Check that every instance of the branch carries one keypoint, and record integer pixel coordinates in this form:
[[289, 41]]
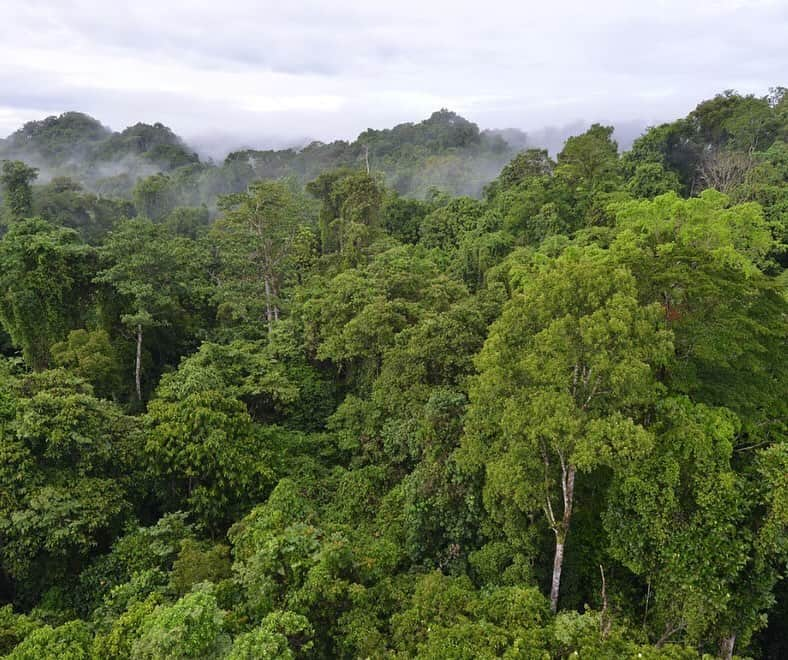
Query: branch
[[669, 632]]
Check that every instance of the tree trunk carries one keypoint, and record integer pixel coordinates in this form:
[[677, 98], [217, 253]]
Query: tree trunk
[[275, 294], [269, 315], [562, 529], [726, 647], [558, 562], [138, 363]]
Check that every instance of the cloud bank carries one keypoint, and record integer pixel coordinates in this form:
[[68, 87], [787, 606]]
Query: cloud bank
[[263, 71]]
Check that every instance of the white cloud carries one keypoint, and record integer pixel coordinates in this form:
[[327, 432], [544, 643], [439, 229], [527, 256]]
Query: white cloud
[[327, 70]]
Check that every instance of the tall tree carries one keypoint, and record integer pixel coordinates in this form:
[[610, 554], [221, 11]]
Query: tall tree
[[591, 157], [255, 238], [154, 196], [350, 213], [16, 178], [45, 286], [157, 275], [564, 380], [701, 260]]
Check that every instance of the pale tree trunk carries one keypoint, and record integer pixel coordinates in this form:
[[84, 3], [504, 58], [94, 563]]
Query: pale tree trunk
[[275, 294], [726, 647], [605, 621], [138, 363], [269, 314], [560, 527], [558, 562]]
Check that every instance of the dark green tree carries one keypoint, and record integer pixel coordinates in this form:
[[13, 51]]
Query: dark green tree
[[45, 286], [16, 180]]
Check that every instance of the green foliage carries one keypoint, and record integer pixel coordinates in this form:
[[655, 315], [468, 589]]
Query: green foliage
[[91, 356], [651, 179], [591, 157], [70, 470], [58, 138], [354, 318], [448, 618], [71, 641], [528, 164], [118, 641], [154, 197], [700, 259], [195, 565], [45, 288], [444, 227], [281, 635], [137, 565], [271, 377], [207, 455], [188, 221], [565, 378], [545, 422], [16, 179], [161, 280], [190, 628], [670, 513], [255, 239], [64, 203], [401, 217], [13, 628], [350, 212]]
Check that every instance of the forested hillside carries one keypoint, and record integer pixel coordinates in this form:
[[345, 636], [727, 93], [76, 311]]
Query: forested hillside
[[155, 168], [320, 404]]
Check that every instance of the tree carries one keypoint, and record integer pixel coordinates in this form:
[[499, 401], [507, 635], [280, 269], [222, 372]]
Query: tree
[[188, 222], [90, 355], [190, 628], [691, 524], [401, 217], [353, 318], [564, 380], [591, 157], [753, 126], [350, 213], [255, 238], [322, 188], [45, 286], [271, 377], [64, 203], [206, 453], [16, 178], [71, 464], [71, 641], [724, 170], [275, 637], [159, 275], [445, 226], [154, 197], [699, 259], [652, 179], [528, 164]]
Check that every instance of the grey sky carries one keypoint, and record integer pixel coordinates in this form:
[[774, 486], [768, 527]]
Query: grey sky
[[330, 69]]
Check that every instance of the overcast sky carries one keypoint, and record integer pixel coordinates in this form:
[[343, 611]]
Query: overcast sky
[[329, 69]]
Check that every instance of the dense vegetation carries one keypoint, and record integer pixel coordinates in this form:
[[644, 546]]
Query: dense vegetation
[[159, 172], [320, 418]]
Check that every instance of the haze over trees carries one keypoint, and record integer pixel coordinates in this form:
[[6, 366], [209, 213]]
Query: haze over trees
[[364, 400]]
